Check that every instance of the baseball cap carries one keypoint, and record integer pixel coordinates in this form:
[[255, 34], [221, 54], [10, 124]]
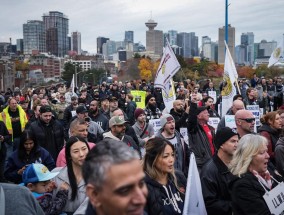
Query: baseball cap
[[200, 109], [116, 120], [36, 172], [81, 109]]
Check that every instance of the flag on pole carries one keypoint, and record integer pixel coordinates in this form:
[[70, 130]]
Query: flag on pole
[[169, 95], [73, 85], [168, 67], [230, 77], [194, 202], [274, 58]]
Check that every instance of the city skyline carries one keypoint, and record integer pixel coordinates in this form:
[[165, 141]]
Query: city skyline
[[112, 18]]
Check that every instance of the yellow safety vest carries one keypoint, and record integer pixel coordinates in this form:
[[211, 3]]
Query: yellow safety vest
[[5, 117]]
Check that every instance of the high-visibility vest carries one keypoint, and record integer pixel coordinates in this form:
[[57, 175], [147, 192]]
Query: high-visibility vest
[[5, 117]]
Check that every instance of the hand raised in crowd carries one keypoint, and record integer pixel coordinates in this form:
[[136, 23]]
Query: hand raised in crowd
[[20, 171]]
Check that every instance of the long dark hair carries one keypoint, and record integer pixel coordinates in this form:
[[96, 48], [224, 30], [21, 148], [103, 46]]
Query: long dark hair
[[26, 135], [71, 175]]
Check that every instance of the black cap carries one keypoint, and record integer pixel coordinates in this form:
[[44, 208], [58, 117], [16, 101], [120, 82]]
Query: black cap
[[223, 135], [81, 109], [202, 108]]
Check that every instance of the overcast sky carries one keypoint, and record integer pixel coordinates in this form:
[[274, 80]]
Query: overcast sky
[[111, 18]]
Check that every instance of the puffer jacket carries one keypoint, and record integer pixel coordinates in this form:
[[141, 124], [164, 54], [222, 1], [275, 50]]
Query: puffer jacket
[[279, 155], [157, 195]]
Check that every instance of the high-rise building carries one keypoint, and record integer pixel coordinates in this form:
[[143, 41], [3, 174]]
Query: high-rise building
[[76, 42], [183, 42], [189, 44], [172, 37], [240, 55], [109, 48], [129, 36], [100, 42], [57, 28], [266, 48], [247, 41], [193, 44], [34, 36], [154, 38], [206, 47], [221, 44], [20, 45]]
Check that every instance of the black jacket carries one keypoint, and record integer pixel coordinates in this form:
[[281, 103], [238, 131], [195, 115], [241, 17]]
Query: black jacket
[[247, 196], [215, 177], [68, 114], [180, 119], [197, 139], [156, 194], [50, 137]]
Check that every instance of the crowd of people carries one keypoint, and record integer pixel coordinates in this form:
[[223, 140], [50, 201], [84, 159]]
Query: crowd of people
[[92, 150]]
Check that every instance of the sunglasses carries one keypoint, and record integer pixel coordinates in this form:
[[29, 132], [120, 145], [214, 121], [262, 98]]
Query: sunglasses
[[249, 120]]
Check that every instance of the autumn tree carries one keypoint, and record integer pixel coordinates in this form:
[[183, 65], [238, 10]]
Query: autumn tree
[[245, 72], [146, 67]]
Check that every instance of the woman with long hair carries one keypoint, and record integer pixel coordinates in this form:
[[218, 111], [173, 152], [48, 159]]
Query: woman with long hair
[[271, 130], [76, 150], [249, 164], [166, 186], [28, 152]]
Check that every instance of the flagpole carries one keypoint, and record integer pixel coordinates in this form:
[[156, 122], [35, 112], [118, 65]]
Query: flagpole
[[236, 80]]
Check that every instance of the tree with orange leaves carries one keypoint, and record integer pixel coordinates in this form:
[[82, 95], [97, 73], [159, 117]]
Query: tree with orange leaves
[[146, 67]]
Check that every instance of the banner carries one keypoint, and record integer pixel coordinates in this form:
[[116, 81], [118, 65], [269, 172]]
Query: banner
[[168, 67], [213, 94], [274, 58], [214, 121], [169, 95], [156, 123], [193, 203], [230, 76], [139, 98], [230, 121]]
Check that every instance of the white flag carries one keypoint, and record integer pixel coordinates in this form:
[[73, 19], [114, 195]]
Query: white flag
[[274, 58], [72, 85], [230, 76], [167, 69], [194, 202], [169, 95]]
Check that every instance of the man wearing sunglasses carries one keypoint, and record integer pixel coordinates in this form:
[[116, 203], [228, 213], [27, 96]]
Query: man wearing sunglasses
[[245, 121]]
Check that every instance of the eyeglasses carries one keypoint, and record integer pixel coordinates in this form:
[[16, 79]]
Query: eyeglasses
[[249, 120], [152, 100]]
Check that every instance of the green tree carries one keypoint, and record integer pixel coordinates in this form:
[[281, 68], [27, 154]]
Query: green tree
[[69, 70], [98, 75]]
